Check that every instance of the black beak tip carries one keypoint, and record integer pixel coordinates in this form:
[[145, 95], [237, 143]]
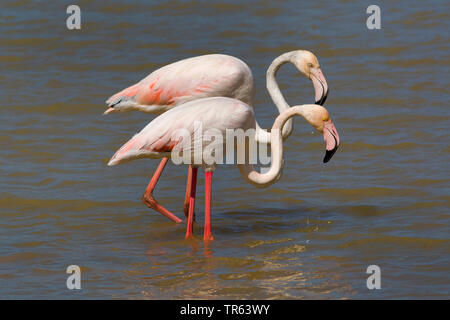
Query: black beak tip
[[322, 100], [329, 154]]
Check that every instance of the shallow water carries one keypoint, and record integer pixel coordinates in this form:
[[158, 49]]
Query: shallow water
[[383, 199]]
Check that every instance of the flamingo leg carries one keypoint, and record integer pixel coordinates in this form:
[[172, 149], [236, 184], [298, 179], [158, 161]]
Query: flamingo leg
[[207, 236], [188, 193], [150, 201], [190, 224]]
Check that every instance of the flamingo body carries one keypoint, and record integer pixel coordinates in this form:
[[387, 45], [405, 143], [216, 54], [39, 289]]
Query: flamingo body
[[186, 80], [155, 140]]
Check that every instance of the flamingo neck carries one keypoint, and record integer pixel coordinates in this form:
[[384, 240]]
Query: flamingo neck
[[262, 135], [263, 180]]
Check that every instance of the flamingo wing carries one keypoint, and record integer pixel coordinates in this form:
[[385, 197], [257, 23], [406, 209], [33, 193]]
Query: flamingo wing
[[187, 80]]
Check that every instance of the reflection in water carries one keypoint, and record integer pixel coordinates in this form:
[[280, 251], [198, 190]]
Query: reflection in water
[[271, 271], [383, 199], [207, 251]]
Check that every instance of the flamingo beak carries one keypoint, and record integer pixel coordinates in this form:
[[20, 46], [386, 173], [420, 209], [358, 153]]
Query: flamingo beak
[[331, 137], [108, 111], [320, 85]]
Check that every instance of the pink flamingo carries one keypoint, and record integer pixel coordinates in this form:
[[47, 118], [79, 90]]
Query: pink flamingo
[[156, 140], [210, 76]]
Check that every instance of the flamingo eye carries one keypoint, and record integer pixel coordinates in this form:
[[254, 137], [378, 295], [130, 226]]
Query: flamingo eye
[[310, 64]]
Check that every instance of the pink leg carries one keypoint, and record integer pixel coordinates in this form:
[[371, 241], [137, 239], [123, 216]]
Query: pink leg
[[150, 201], [190, 224], [207, 236], [188, 193]]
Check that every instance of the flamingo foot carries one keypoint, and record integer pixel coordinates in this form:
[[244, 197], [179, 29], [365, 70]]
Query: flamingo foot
[[150, 202], [208, 237], [189, 236], [189, 230]]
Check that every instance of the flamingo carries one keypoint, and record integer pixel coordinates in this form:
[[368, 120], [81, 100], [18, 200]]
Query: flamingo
[[210, 76], [157, 140]]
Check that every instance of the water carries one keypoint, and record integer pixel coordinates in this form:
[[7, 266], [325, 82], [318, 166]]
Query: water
[[383, 199]]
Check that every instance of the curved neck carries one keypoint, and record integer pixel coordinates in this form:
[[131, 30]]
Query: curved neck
[[274, 173], [262, 135]]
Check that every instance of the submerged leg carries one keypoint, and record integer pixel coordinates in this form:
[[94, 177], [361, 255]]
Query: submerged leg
[[190, 223], [207, 236], [150, 201]]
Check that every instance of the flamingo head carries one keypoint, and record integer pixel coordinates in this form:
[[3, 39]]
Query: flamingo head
[[306, 62], [318, 117]]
